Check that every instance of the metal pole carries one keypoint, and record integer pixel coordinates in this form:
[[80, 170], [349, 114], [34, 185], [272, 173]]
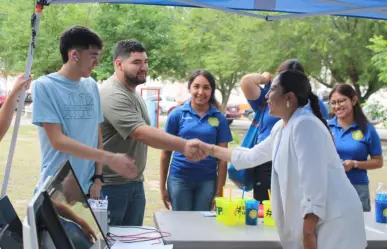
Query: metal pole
[[35, 21]]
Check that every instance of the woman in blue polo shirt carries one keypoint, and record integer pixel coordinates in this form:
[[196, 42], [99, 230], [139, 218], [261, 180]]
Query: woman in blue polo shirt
[[355, 140], [192, 186]]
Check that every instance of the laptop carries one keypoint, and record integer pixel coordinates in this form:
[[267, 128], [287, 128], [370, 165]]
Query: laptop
[[10, 226], [68, 198]]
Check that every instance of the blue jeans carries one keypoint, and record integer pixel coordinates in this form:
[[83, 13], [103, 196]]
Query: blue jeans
[[363, 191], [188, 195], [76, 235], [126, 203]]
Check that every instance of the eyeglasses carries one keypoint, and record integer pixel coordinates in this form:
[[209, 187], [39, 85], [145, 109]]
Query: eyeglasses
[[339, 102]]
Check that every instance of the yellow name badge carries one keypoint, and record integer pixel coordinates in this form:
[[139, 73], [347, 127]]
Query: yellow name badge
[[213, 121], [357, 135]]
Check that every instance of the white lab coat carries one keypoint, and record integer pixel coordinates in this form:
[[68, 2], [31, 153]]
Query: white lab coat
[[308, 177]]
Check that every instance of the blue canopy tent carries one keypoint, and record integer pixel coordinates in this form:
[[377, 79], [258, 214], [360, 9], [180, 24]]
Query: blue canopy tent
[[372, 9]]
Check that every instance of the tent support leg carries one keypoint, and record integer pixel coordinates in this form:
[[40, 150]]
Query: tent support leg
[[35, 21]]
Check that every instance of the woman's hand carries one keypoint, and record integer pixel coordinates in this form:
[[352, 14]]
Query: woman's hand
[[165, 198]]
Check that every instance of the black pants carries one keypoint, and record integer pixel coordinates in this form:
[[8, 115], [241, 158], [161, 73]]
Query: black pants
[[262, 181]]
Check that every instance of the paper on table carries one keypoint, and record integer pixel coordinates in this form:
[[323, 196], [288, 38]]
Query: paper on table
[[208, 213], [139, 245]]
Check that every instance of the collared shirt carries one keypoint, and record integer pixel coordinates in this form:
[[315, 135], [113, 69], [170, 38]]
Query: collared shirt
[[355, 144], [211, 128]]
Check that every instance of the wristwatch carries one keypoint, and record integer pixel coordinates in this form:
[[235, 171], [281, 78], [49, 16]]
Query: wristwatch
[[99, 177], [355, 164]]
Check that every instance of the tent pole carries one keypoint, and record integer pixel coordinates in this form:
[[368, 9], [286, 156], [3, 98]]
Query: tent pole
[[35, 21], [209, 6]]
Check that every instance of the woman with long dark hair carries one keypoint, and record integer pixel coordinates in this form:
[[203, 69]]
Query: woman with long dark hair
[[192, 186], [255, 94], [355, 140], [313, 203]]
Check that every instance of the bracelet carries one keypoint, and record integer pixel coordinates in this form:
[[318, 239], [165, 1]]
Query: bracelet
[[212, 150]]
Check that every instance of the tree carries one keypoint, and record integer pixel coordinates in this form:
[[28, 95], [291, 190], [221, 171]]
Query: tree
[[226, 45], [16, 33], [148, 24], [333, 50]]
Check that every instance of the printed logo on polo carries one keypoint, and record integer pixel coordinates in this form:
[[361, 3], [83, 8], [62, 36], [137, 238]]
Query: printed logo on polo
[[79, 106], [213, 121], [357, 135]]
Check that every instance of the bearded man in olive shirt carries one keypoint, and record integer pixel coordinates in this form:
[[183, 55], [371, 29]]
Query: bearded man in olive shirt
[[126, 129]]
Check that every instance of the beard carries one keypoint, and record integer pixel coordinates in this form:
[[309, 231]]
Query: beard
[[133, 79]]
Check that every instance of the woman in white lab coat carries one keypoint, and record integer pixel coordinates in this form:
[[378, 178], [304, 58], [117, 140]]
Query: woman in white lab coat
[[314, 205]]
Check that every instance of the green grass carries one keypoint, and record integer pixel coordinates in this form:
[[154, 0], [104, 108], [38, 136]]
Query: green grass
[[26, 166]]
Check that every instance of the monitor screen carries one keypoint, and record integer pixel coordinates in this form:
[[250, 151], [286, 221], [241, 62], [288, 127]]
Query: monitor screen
[[10, 226], [74, 212], [48, 223]]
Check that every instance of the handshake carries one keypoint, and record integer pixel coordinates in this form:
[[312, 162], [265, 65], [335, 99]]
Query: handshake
[[196, 150]]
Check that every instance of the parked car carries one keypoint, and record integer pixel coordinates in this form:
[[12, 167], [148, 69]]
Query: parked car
[[232, 113], [167, 103]]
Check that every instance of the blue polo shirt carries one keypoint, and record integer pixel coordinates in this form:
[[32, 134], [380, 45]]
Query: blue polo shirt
[[355, 144], [211, 128]]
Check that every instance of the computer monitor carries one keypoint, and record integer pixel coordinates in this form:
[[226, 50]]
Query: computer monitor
[[42, 227], [73, 210], [10, 226]]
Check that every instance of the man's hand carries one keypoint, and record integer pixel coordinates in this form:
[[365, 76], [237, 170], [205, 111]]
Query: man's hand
[[165, 198], [348, 165], [194, 150], [122, 164], [20, 82], [95, 189]]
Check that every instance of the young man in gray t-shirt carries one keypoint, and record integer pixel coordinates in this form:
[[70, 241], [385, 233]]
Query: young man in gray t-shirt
[[126, 129]]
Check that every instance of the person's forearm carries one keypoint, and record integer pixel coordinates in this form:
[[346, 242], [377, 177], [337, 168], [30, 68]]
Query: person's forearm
[[250, 85], [72, 147], [98, 165], [219, 152], [310, 223], [164, 168], [222, 174], [6, 113], [66, 212], [370, 164], [158, 139]]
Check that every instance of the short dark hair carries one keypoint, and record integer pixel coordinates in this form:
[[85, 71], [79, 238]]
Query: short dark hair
[[125, 47], [358, 114], [78, 37]]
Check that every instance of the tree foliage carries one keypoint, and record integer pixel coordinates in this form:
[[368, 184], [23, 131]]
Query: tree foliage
[[179, 40]]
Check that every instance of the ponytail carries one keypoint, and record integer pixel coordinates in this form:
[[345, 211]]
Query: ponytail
[[315, 106]]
